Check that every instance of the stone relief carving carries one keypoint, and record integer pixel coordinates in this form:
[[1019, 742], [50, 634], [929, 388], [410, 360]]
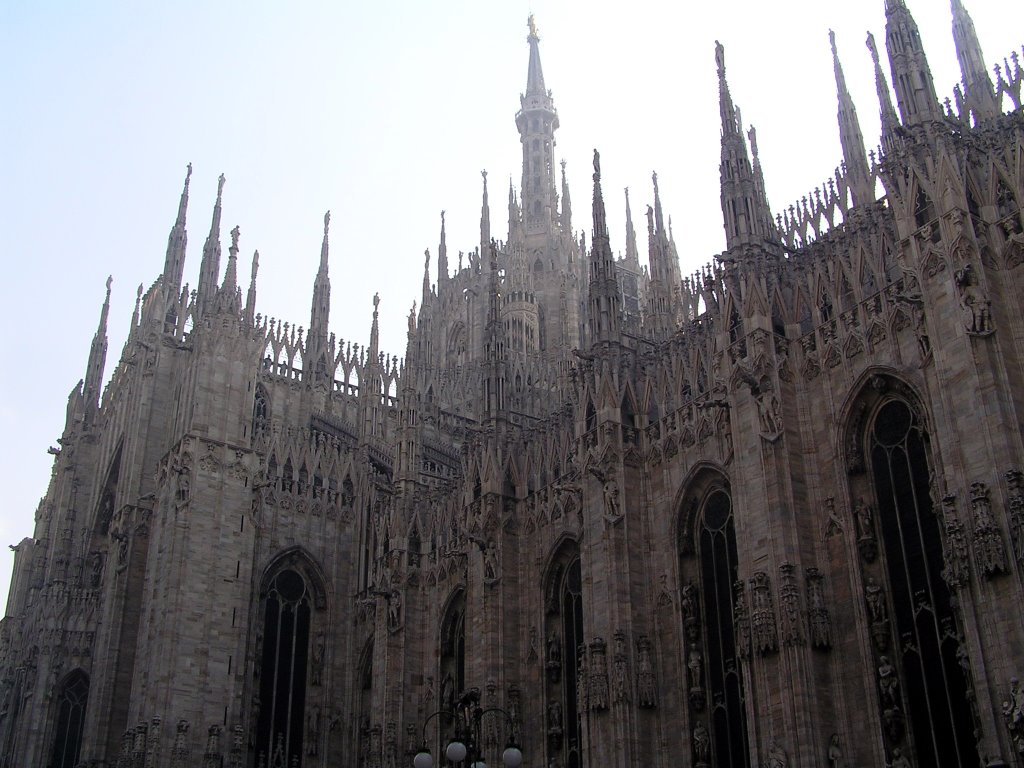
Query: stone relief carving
[[554, 658], [974, 302], [688, 602], [818, 618], [878, 615], [863, 517], [647, 693], [1015, 513], [1013, 716], [989, 551], [741, 620], [620, 669], [598, 674], [957, 566], [789, 602], [762, 615]]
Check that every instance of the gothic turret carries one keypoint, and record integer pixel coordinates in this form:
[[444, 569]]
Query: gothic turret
[[632, 253], [537, 121], [850, 136], [97, 358], [604, 286], [978, 93], [911, 77], [744, 207], [209, 268]]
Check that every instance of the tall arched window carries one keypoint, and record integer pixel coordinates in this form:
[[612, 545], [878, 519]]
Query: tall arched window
[[71, 701], [718, 572], [565, 707], [292, 656], [926, 641], [452, 671], [708, 565]]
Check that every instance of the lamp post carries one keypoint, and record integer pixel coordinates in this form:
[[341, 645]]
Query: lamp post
[[465, 748]]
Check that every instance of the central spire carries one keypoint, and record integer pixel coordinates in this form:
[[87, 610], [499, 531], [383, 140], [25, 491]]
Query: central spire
[[537, 121]]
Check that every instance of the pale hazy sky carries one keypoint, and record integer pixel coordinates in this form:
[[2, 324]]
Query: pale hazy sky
[[385, 113]]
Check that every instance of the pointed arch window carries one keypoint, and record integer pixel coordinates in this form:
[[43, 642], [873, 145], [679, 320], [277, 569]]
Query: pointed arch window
[[71, 702], [566, 704], [708, 556], [927, 646], [289, 655]]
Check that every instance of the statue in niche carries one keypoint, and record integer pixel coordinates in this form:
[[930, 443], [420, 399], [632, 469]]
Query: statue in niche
[[695, 665], [975, 304], [777, 757], [318, 659], [554, 718], [490, 563], [834, 753], [899, 760], [701, 742], [888, 683], [554, 663]]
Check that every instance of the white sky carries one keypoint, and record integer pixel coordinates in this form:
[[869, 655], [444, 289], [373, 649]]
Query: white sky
[[384, 113]]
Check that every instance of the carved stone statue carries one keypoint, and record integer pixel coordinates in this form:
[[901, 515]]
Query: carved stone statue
[[888, 683], [701, 742], [777, 757], [834, 753]]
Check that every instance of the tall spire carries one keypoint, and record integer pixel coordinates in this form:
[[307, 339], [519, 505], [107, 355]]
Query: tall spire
[[250, 297], [426, 277], [97, 356], [320, 310], [442, 258], [911, 77], [744, 204], [209, 269], [981, 98], [566, 204], [485, 221], [230, 284], [174, 261], [886, 111], [535, 74], [850, 136], [537, 121], [604, 287], [660, 314], [632, 253]]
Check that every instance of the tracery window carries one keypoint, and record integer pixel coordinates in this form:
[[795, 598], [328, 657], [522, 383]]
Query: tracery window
[[566, 704], [67, 739], [709, 568], [927, 647], [282, 669]]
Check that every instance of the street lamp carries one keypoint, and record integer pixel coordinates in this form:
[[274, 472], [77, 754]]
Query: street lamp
[[465, 748]]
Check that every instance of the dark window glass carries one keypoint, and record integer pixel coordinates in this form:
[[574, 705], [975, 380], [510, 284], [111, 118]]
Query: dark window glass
[[283, 670], [934, 687], [572, 640], [70, 719], [717, 548]]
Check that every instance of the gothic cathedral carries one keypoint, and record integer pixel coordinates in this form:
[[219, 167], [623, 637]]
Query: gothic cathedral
[[767, 514]]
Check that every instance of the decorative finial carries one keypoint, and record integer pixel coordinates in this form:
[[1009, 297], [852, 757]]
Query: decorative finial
[[235, 233], [597, 165], [110, 281], [327, 222], [426, 258], [532, 24], [872, 47], [442, 218], [376, 301], [220, 186], [832, 40], [188, 172], [484, 174]]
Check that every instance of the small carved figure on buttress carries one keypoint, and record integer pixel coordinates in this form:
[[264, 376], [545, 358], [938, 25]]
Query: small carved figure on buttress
[[611, 499], [318, 659], [701, 741], [834, 753], [862, 515], [887, 681]]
